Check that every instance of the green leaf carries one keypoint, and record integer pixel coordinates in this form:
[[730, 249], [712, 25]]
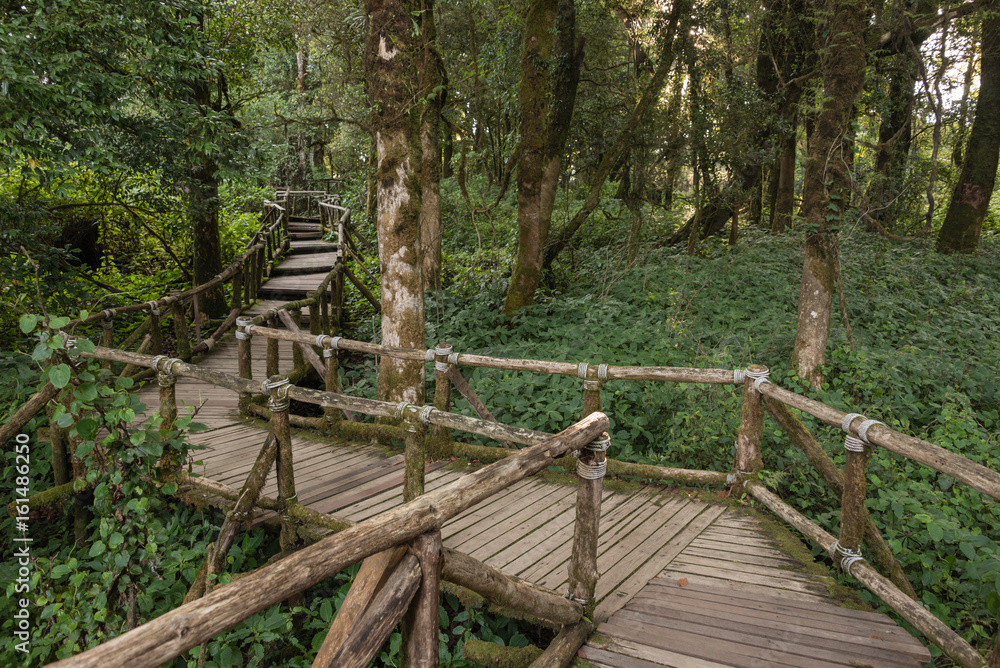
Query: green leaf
[[326, 611], [97, 549], [968, 550], [115, 540], [57, 322], [86, 428], [935, 531], [59, 375], [27, 322]]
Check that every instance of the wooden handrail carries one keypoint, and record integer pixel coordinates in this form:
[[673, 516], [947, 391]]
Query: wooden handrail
[[173, 633]]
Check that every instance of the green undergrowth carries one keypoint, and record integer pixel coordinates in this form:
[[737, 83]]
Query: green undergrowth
[[927, 346]]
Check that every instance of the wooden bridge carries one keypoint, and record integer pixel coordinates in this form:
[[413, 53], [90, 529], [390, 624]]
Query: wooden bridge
[[635, 575]]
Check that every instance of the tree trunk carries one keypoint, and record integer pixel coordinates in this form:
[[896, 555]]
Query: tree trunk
[[203, 207], [971, 197], [391, 62], [826, 186], [432, 99], [784, 200], [894, 136], [547, 100]]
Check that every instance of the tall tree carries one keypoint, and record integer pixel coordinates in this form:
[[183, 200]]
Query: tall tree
[[392, 55], [826, 188], [971, 197], [550, 72], [433, 95]]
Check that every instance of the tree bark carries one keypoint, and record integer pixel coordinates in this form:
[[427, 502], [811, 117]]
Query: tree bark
[[971, 197], [392, 53], [547, 98], [624, 141], [784, 200], [433, 97], [826, 189]]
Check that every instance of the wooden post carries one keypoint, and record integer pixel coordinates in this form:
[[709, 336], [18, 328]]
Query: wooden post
[[591, 468], [237, 297], [62, 467], [244, 356], [748, 459], [107, 336], [297, 358], [338, 293], [414, 454], [330, 357], [196, 312], [168, 398], [592, 387], [180, 330], [420, 625], [442, 391], [277, 389], [852, 504], [272, 349], [155, 333]]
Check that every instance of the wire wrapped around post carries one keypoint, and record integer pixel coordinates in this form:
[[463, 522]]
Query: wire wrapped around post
[[852, 504], [155, 333], [591, 468], [748, 457], [442, 391], [275, 388], [108, 333], [414, 455], [244, 356], [167, 382]]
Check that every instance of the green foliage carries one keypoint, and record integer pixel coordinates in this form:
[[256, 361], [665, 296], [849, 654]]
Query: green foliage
[[927, 347]]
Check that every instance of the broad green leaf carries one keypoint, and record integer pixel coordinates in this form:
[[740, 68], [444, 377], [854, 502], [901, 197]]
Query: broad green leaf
[[27, 323], [59, 375]]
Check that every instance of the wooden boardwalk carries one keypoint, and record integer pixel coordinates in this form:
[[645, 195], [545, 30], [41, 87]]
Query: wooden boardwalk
[[683, 582]]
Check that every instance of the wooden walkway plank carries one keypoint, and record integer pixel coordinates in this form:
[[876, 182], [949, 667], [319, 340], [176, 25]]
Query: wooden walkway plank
[[626, 654]]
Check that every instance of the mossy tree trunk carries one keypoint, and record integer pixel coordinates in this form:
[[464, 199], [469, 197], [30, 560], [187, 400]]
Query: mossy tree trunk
[[550, 71], [971, 197], [392, 55], [826, 186], [203, 207], [433, 98]]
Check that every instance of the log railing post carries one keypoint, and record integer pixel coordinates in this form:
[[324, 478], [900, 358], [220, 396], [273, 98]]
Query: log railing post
[[273, 358], [420, 625], [180, 329], [414, 455], [155, 333], [244, 357], [442, 391], [276, 387], [748, 459], [237, 297], [168, 397], [107, 335], [196, 312], [298, 359], [330, 357], [62, 466], [591, 467], [338, 293], [852, 504], [592, 381]]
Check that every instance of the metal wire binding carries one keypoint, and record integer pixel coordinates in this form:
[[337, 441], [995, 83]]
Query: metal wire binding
[[401, 410], [592, 385], [154, 309], [453, 359], [591, 471], [335, 342], [319, 340], [569, 595], [243, 327], [599, 444], [425, 414], [847, 557], [739, 375], [865, 426], [851, 443], [759, 377], [279, 402], [581, 370], [429, 355], [442, 351], [602, 372]]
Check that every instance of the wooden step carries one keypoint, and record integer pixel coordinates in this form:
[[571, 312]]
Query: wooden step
[[300, 246]]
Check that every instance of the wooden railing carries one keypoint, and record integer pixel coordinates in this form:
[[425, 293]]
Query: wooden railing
[[759, 393], [410, 574]]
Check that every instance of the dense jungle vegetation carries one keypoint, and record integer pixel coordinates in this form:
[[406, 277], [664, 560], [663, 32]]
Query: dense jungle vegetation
[[804, 184]]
